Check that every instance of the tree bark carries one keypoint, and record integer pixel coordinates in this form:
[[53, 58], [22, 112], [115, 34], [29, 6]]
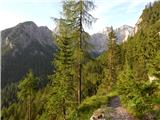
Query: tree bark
[[64, 110], [80, 50], [30, 106]]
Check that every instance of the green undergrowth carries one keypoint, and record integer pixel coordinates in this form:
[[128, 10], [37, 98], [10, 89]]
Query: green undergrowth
[[89, 105]]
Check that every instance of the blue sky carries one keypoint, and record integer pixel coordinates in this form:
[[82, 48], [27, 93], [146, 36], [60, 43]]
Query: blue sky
[[108, 12]]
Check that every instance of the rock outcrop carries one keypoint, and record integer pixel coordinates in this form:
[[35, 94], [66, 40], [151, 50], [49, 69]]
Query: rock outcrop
[[137, 25]]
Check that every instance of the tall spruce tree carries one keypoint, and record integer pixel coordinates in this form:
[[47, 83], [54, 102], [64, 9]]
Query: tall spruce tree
[[62, 95], [112, 57], [77, 12]]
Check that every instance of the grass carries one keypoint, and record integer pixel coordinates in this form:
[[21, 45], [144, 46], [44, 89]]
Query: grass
[[89, 105]]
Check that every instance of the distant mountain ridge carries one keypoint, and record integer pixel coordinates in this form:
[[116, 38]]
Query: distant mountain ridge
[[26, 46], [99, 40], [29, 32]]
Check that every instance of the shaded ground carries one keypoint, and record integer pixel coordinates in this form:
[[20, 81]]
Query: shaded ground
[[114, 102]]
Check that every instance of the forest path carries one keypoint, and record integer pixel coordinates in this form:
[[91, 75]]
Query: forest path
[[118, 112], [113, 111], [114, 102]]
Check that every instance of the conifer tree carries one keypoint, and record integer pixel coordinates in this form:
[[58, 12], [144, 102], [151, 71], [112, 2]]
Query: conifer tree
[[112, 57], [77, 12], [62, 95], [27, 88], [154, 66]]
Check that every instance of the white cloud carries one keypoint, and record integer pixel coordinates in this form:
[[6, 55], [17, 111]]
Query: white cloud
[[136, 3], [104, 7], [102, 12], [30, 1], [9, 19]]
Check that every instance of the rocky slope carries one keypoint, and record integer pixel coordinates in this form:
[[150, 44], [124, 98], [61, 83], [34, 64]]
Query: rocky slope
[[26, 46]]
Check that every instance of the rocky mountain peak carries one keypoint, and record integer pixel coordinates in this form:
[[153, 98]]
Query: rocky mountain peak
[[25, 33], [125, 27], [29, 27], [124, 32], [27, 23], [99, 40], [26, 46]]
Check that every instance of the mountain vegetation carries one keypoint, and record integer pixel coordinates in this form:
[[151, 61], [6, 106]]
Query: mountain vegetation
[[26, 46], [81, 84]]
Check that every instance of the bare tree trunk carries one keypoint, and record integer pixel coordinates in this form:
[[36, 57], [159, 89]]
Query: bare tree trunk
[[80, 64], [111, 79], [79, 83], [30, 106], [64, 110]]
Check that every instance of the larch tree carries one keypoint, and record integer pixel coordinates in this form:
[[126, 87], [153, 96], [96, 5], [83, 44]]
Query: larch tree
[[77, 13]]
